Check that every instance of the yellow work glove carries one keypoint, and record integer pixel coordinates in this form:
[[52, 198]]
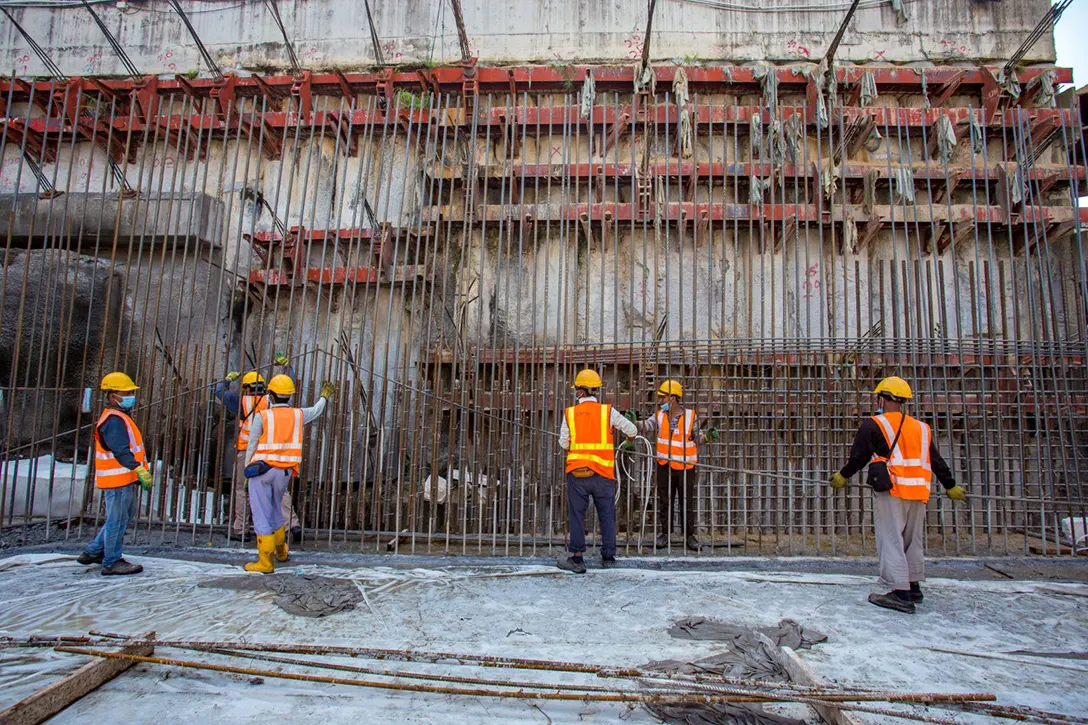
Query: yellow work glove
[[837, 480], [280, 359], [957, 493], [233, 375], [144, 477], [327, 390]]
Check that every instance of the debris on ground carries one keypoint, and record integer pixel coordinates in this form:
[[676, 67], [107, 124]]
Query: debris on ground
[[787, 633]]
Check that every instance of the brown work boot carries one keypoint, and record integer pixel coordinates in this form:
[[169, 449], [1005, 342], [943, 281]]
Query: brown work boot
[[891, 600], [121, 568]]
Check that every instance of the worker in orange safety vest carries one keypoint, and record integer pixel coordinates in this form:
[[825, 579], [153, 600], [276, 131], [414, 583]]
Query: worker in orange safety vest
[[678, 436], [273, 457], [905, 447], [586, 435], [120, 466]]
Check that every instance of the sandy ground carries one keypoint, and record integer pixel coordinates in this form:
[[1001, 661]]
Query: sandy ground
[[617, 617]]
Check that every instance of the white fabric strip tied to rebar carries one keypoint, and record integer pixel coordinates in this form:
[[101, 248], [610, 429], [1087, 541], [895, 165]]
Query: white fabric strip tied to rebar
[[1010, 83], [868, 89], [794, 137], [946, 137], [680, 92], [902, 15], [755, 133], [589, 95], [776, 142], [925, 90], [903, 180], [1040, 89], [645, 79], [767, 76], [976, 136], [830, 172], [756, 187]]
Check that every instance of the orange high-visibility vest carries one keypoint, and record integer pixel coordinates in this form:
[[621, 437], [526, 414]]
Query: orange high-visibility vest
[[108, 471], [909, 465], [678, 451], [591, 443], [248, 407], [280, 444]]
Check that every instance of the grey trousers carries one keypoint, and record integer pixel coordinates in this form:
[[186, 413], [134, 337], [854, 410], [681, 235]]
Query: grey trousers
[[241, 500], [900, 540]]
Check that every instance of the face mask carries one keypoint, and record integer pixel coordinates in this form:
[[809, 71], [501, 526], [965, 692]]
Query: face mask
[[128, 402], [880, 406], [664, 407]]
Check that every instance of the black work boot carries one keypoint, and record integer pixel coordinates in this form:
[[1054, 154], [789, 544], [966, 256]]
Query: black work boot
[[121, 568], [569, 564], [296, 534], [894, 600], [608, 562], [915, 592], [662, 541], [693, 544], [86, 559]]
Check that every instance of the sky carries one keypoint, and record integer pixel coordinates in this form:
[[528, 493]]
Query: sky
[[1072, 45]]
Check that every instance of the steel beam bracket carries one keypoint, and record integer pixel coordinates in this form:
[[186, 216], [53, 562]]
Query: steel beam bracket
[[303, 92], [145, 99], [383, 87], [223, 94]]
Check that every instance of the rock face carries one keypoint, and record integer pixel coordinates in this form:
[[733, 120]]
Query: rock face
[[63, 323]]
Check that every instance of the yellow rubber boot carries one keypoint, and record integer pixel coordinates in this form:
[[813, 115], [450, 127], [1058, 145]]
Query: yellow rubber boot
[[280, 540], [264, 565]]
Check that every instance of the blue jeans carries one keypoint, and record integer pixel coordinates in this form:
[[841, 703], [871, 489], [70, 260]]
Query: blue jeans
[[603, 491], [266, 500], [120, 510]]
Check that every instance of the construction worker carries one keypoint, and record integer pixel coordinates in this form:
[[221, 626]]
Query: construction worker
[[907, 448], [273, 456], [586, 435], [119, 465], [245, 408], [678, 437]]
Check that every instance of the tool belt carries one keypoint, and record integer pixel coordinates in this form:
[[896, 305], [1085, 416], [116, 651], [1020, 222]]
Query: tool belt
[[583, 472]]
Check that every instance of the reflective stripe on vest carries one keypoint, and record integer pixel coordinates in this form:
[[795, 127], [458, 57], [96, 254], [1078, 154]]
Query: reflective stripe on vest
[[280, 444], [678, 452], [591, 442], [248, 408], [108, 471], [909, 465]]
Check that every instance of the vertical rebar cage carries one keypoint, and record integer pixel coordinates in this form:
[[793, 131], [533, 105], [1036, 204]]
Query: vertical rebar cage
[[450, 246]]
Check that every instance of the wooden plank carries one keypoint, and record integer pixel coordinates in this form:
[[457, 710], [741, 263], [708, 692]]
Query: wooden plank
[[802, 674], [47, 702]]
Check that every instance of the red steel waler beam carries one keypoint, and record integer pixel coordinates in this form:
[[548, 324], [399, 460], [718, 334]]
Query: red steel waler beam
[[534, 79]]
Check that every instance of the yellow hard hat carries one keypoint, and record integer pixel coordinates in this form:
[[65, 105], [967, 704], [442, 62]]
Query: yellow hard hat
[[894, 386], [587, 379], [281, 385], [252, 377], [120, 382], [671, 387]]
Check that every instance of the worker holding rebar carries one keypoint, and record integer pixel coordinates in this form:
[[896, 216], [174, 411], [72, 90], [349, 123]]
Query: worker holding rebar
[[586, 435], [120, 463], [244, 408], [273, 457], [678, 436], [902, 457]]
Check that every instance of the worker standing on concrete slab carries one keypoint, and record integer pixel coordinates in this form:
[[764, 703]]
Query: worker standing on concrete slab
[[245, 408], [273, 457], [119, 465], [586, 435], [903, 445], [678, 437]]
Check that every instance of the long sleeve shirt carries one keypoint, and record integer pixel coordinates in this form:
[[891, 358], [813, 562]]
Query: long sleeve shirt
[[257, 427], [114, 436], [869, 441], [616, 420], [648, 427], [231, 400]]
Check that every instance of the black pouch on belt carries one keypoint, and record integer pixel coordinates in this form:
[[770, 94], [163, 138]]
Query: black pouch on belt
[[879, 478]]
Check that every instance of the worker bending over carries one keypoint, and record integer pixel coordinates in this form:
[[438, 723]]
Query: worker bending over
[[678, 437], [273, 457], [119, 464], [245, 408], [905, 446], [586, 435]]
